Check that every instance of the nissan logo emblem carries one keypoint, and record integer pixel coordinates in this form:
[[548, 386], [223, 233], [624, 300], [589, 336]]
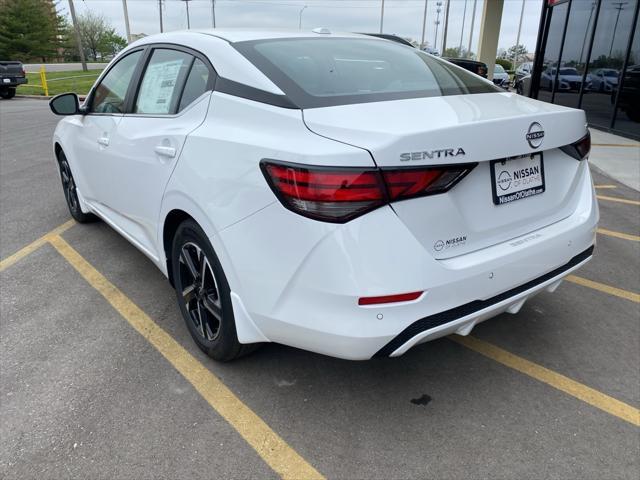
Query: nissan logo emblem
[[535, 135]]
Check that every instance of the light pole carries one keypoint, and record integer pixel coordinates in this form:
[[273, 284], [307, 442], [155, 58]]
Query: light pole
[[586, 31], [437, 22], [464, 17], [72, 11], [300, 17], [126, 20], [473, 19], [213, 13], [381, 16], [619, 7], [424, 25], [186, 2], [160, 11], [515, 53], [446, 26]]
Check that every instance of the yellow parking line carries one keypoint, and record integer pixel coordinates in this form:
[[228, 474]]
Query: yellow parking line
[[23, 252], [618, 199], [556, 380], [268, 444], [617, 292], [608, 187], [624, 236]]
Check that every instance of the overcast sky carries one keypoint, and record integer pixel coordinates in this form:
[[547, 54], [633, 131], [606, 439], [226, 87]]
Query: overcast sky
[[402, 17]]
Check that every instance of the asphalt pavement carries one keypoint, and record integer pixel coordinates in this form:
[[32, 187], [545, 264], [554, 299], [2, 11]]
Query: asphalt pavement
[[84, 395]]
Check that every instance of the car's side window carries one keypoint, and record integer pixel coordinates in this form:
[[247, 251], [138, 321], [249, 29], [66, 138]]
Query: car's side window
[[196, 84], [109, 95], [162, 82]]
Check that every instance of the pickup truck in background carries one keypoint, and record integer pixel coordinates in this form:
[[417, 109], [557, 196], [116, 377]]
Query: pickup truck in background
[[11, 75]]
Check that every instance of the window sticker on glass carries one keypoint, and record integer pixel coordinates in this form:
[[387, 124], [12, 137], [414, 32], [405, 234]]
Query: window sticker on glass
[[158, 85]]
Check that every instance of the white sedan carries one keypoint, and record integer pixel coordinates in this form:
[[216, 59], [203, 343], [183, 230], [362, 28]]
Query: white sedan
[[338, 193]]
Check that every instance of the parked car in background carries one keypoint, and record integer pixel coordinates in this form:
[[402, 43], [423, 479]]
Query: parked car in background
[[403, 41], [568, 79], [479, 68], [604, 79], [500, 76], [431, 51], [522, 85], [11, 75], [629, 101], [523, 70]]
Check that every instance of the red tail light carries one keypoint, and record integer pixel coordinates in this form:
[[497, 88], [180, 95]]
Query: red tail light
[[403, 183], [580, 149], [325, 193], [340, 194]]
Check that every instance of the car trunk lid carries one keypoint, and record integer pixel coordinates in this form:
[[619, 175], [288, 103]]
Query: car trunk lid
[[477, 128]]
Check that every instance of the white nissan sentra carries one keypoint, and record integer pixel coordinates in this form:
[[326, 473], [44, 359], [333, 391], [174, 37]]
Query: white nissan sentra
[[337, 193]]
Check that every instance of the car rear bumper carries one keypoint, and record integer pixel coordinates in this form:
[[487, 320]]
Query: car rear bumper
[[462, 319], [302, 290], [13, 82]]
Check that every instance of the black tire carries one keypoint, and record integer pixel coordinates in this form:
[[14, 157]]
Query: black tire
[[70, 193], [6, 93], [203, 294]]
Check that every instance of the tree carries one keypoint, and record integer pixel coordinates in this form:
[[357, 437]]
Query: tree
[[29, 29], [99, 38], [515, 52], [506, 64], [457, 52]]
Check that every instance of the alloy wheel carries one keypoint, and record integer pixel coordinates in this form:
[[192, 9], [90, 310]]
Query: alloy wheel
[[200, 291], [69, 185]]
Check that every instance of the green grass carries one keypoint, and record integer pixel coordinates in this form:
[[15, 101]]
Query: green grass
[[71, 81]]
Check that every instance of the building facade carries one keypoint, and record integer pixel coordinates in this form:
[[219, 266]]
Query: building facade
[[588, 56]]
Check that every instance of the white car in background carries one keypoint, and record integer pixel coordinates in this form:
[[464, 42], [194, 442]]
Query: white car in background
[[500, 76], [334, 192], [604, 79], [566, 79]]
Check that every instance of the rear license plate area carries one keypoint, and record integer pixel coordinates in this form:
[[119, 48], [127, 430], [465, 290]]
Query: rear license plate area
[[516, 178]]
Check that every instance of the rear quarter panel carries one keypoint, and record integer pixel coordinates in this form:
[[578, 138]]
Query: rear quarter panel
[[218, 180]]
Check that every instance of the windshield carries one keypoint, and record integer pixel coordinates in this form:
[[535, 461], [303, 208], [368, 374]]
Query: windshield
[[319, 72], [568, 71], [498, 69], [610, 73]]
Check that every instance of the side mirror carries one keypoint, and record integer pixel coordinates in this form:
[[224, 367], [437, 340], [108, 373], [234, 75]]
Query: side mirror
[[65, 104]]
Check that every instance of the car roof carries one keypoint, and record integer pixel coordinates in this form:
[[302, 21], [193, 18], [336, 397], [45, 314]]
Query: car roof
[[246, 34], [216, 45]]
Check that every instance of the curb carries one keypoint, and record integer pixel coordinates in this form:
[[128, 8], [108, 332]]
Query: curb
[[38, 97]]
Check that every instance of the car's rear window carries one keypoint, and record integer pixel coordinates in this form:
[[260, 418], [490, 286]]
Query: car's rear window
[[318, 72]]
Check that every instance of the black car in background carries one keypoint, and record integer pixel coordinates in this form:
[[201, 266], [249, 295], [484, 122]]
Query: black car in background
[[11, 75], [629, 101], [479, 68]]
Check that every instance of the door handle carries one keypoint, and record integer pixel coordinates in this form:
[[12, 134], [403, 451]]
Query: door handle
[[165, 151], [104, 141]]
